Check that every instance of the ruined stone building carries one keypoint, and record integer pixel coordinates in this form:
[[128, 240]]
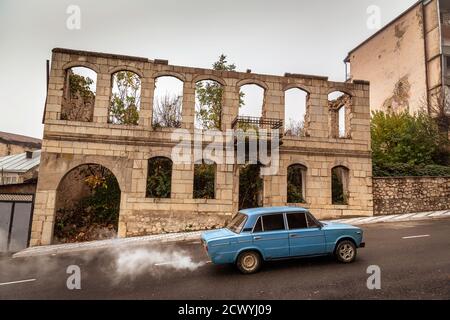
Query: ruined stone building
[[329, 160], [408, 61]]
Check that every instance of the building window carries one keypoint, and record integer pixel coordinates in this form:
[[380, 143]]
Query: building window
[[339, 104], [125, 99], [204, 180], [167, 102], [296, 176], [79, 94], [339, 185], [295, 107], [159, 177]]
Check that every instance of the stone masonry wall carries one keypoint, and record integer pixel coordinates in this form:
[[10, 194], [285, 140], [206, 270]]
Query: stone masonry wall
[[394, 195]]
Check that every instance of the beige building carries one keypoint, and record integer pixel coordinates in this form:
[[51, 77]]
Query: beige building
[[408, 61], [127, 150], [14, 143]]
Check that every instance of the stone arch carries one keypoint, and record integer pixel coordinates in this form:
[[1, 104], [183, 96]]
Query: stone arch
[[85, 64], [202, 77], [339, 163], [126, 68], [87, 204], [257, 82], [177, 75], [302, 87], [342, 89]]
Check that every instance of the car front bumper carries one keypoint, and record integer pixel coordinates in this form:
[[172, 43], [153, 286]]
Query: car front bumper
[[362, 245]]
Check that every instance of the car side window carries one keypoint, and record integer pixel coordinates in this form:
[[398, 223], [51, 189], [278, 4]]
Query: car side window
[[258, 226], [312, 223], [273, 222], [296, 220]]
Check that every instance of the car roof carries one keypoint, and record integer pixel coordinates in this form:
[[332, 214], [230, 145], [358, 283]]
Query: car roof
[[264, 210]]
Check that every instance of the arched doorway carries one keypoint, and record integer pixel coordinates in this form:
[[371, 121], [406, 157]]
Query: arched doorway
[[87, 205]]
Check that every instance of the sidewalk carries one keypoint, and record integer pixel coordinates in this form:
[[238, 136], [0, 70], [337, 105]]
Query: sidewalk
[[183, 236]]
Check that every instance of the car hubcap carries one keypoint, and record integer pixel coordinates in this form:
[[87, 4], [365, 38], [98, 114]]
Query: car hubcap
[[346, 252], [249, 262]]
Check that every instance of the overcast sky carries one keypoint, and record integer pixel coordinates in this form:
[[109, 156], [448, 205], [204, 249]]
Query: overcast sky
[[272, 37]]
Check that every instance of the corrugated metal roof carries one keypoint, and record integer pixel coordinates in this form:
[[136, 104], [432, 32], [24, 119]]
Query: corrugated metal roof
[[20, 162]]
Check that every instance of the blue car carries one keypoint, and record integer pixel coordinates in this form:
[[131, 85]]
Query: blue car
[[261, 234]]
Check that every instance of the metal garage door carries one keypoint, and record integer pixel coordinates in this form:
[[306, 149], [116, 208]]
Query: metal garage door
[[15, 221]]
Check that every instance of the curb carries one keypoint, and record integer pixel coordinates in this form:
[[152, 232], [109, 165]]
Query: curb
[[185, 236]]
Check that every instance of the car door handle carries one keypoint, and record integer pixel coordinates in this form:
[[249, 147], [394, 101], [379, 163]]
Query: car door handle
[[295, 236], [257, 238]]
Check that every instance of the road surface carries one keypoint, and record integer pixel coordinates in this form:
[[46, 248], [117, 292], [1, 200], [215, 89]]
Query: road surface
[[413, 257]]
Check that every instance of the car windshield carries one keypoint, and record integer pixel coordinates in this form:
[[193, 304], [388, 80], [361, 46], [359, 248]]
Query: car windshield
[[237, 223]]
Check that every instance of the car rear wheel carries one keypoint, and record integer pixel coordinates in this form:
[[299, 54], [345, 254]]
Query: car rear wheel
[[249, 262], [345, 251]]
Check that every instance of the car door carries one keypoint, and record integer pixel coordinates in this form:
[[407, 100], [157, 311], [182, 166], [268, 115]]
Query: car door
[[306, 236], [271, 237]]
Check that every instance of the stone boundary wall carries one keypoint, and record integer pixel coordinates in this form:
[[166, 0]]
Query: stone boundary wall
[[394, 195]]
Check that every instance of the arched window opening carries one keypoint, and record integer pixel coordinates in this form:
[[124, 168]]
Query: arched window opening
[[296, 181], [339, 185], [87, 205], [79, 94], [251, 186], [159, 177], [208, 105], [295, 111], [251, 100], [204, 180], [167, 102], [339, 104], [125, 98]]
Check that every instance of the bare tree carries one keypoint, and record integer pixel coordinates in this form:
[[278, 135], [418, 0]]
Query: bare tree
[[167, 111], [295, 128]]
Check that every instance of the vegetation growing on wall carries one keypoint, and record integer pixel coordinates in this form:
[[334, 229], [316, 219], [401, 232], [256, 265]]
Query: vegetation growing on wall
[[204, 181], [92, 217], [159, 178], [125, 100], [405, 144], [210, 97]]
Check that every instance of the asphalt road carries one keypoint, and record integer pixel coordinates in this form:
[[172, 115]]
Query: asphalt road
[[411, 268]]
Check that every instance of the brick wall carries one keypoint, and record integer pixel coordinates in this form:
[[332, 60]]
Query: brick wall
[[396, 195]]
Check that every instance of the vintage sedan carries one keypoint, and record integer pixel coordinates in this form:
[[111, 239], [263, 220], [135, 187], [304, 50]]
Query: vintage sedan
[[261, 234]]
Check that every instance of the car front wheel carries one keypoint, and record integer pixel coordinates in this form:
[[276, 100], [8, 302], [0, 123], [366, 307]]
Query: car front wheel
[[345, 251], [249, 262]]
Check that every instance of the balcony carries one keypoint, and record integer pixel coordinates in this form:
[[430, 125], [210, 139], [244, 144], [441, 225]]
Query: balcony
[[251, 127]]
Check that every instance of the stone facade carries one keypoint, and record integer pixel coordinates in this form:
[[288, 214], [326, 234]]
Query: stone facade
[[125, 149], [395, 195]]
